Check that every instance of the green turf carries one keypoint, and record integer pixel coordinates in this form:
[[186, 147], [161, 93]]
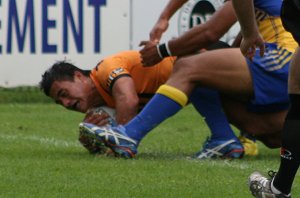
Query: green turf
[[23, 94], [40, 157]]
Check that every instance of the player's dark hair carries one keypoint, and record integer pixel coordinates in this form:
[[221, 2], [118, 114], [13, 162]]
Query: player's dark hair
[[61, 70]]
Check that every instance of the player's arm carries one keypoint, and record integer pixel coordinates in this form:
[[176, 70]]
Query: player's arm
[[126, 99], [199, 37], [251, 37], [203, 35], [162, 23]]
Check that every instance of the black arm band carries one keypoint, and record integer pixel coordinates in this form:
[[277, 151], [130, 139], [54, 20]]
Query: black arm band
[[163, 50]]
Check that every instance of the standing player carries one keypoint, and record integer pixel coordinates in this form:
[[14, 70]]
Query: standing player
[[279, 186]]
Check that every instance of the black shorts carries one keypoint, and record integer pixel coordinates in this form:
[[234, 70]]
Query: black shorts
[[290, 16]]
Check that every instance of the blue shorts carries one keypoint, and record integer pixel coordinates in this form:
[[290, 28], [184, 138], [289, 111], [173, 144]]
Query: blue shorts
[[270, 79]]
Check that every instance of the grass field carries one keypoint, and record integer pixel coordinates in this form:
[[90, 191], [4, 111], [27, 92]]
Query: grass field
[[41, 157]]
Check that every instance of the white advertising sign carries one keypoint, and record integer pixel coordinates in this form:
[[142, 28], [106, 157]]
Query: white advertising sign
[[36, 33], [196, 12]]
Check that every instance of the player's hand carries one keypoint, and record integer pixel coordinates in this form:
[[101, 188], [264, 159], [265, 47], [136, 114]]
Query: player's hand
[[97, 119], [159, 28], [149, 54], [249, 44]]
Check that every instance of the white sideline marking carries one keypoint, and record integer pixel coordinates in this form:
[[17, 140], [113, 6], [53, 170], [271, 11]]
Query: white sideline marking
[[42, 140], [224, 163]]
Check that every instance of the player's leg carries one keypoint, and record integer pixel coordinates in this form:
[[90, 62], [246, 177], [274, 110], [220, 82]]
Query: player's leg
[[215, 70], [281, 183], [266, 127], [290, 152], [205, 70], [212, 69], [207, 102], [291, 135]]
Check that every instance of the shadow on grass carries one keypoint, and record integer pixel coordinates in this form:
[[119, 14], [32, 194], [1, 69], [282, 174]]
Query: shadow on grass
[[163, 156]]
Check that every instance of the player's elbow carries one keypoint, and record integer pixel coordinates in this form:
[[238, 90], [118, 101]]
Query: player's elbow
[[132, 102]]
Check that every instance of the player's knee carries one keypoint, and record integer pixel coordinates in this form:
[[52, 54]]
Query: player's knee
[[182, 71], [182, 65], [178, 68]]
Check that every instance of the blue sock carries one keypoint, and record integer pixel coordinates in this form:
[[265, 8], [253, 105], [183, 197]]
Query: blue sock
[[165, 103], [208, 104], [157, 110]]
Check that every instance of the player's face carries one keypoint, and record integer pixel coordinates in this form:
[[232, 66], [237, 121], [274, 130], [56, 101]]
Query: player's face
[[73, 95]]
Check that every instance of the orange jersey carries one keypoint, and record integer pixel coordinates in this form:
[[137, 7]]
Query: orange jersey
[[128, 63]]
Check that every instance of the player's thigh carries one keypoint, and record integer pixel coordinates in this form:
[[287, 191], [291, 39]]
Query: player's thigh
[[225, 70], [258, 124]]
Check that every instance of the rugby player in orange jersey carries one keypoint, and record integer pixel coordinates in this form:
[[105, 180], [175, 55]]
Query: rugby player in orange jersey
[[118, 81]]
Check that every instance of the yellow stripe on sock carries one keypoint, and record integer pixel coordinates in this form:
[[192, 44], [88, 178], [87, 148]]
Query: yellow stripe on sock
[[173, 93]]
